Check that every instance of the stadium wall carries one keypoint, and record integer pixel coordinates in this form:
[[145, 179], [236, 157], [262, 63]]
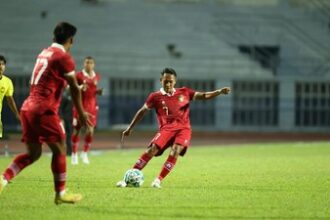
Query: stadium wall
[[133, 40]]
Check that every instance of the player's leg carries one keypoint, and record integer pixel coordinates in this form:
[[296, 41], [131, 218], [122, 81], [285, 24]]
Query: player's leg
[[181, 143], [87, 145], [142, 161], [53, 134], [20, 162], [146, 157], [59, 173], [75, 144], [30, 136], [93, 115], [168, 165], [158, 144]]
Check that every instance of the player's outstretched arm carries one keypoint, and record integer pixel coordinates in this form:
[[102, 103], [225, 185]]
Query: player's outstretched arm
[[76, 98], [136, 119], [212, 94], [12, 105]]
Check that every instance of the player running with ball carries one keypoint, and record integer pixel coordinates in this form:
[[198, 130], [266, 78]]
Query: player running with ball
[[172, 109]]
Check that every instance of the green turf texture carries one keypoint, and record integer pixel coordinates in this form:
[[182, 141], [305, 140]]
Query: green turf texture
[[259, 181]]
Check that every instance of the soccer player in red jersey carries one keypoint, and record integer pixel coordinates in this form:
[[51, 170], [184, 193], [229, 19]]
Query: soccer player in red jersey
[[54, 69], [88, 81], [172, 109]]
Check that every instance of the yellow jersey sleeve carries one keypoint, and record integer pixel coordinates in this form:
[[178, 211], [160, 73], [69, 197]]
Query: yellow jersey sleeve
[[10, 90]]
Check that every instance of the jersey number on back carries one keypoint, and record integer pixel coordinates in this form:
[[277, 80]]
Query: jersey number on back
[[38, 70]]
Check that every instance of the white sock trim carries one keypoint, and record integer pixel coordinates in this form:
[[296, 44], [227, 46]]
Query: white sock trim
[[62, 193], [4, 181]]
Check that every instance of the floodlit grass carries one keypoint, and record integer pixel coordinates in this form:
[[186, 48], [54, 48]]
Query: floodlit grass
[[272, 181]]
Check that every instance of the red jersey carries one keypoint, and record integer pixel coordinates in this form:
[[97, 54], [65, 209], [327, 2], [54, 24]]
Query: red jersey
[[89, 99], [172, 110], [47, 81]]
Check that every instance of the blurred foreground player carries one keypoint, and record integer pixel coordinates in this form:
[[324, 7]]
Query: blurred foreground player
[[41, 123], [88, 81], [172, 109]]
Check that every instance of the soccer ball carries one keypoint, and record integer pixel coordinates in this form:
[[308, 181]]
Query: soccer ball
[[134, 177]]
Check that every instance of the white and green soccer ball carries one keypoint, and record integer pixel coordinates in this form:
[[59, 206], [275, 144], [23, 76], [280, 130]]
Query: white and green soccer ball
[[134, 178]]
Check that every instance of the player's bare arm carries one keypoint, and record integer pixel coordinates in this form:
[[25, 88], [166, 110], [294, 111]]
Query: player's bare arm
[[12, 106], [76, 97], [136, 119], [212, 94], [83, 87]]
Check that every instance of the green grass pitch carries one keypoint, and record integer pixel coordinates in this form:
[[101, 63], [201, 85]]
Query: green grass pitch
[[259, 181]]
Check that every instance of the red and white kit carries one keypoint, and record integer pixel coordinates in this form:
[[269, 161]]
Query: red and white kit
[[39, 112], [89, 99], [173, 117]]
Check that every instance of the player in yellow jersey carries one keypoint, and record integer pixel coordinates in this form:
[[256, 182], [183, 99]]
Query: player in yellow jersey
[[6, 89]]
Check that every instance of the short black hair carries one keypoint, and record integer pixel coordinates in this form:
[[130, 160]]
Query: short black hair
[[3, 58], [168, 71], [63, 31], [89, 58]]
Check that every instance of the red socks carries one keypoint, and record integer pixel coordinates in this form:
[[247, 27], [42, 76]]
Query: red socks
[[58, 167], [59, 171], [75, 143], [142, 161], [88, 141], [19, 163], [167, 167]]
